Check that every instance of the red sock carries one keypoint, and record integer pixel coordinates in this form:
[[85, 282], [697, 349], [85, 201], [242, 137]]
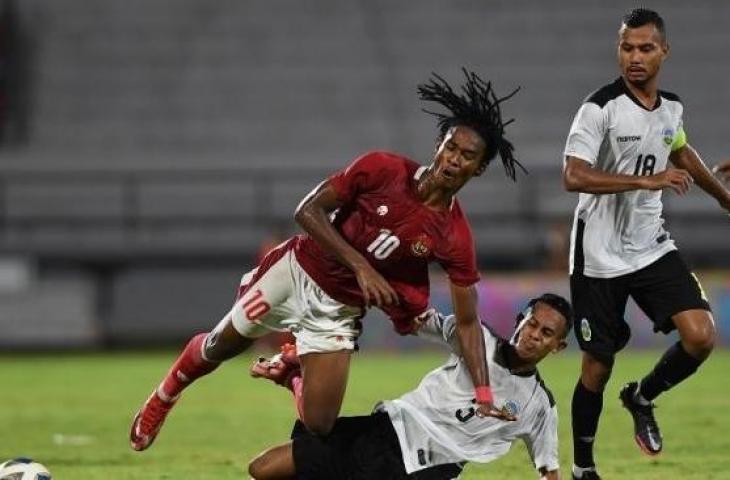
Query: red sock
[[296, 387], [188, 367]]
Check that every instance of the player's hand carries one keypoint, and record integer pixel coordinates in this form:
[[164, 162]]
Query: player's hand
[[375, 289], [420, 320], [677, 179], [489, 410], [723, 170]]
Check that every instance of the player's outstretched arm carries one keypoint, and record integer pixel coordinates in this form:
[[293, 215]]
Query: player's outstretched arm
[[688, 159], [723, 170], [312, 215], [579, 176], [471, 341]]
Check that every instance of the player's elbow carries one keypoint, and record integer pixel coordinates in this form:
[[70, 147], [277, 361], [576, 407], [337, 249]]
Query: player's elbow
[[576, 174], [299, 213], [304, 209], [572, 180]]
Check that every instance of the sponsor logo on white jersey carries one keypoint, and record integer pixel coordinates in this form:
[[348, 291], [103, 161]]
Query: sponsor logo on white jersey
[[668, 135]]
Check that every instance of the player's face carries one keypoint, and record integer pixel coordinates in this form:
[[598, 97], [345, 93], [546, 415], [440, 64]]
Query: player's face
[[458, 157], [641, 52], [542, 333]]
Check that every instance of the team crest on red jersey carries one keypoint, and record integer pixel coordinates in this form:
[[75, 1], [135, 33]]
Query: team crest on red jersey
[[421, 246]]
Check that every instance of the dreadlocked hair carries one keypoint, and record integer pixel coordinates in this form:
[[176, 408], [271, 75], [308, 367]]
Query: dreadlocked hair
[[476, 106]]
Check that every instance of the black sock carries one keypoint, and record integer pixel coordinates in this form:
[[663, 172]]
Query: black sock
[[586, 410], [674, 366]]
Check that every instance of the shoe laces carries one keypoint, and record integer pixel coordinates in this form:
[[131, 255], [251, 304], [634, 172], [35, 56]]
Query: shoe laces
[[153, 413]]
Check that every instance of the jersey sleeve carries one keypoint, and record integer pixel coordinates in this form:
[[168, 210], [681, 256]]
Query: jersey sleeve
[[680, 139], [438, 328], [460, 261], [366, 173], [586, 133], [542, 441]]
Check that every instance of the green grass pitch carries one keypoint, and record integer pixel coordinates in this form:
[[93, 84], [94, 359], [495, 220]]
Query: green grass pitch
[[72, 413]]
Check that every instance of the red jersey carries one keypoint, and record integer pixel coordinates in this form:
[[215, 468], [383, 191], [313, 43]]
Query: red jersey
[[383, 219]]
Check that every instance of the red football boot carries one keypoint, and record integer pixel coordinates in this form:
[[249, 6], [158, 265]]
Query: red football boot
[[279, 368], [148, 422]]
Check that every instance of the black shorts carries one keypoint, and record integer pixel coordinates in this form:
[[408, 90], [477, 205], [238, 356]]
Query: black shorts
[[358, 448], [661, 290]]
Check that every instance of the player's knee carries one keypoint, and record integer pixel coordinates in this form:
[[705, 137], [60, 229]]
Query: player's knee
[[706, 343], [223, 344], [259, 467], [700, 342], [255, 468]]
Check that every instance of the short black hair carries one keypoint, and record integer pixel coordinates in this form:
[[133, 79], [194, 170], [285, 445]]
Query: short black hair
[[559, 304], [476, 107], [639, 17]]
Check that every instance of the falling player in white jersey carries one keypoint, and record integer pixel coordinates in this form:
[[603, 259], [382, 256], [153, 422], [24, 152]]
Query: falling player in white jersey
[[430, 432], [618, 156]]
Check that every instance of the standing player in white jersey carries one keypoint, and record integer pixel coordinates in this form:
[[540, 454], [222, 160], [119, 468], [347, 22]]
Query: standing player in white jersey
[[428, 433], [618, 156]]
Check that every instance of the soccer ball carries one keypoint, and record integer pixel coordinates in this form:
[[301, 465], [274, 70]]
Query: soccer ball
[[23, 469]]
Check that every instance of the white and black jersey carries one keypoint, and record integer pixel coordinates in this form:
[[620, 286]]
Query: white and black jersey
[[436, 423], [616, 234]]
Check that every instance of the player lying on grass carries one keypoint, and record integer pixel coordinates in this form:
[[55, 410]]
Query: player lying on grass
[[371, 231], [430, 432]]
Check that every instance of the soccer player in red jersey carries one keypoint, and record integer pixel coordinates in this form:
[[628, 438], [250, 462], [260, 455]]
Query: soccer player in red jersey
[[371, 230]]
